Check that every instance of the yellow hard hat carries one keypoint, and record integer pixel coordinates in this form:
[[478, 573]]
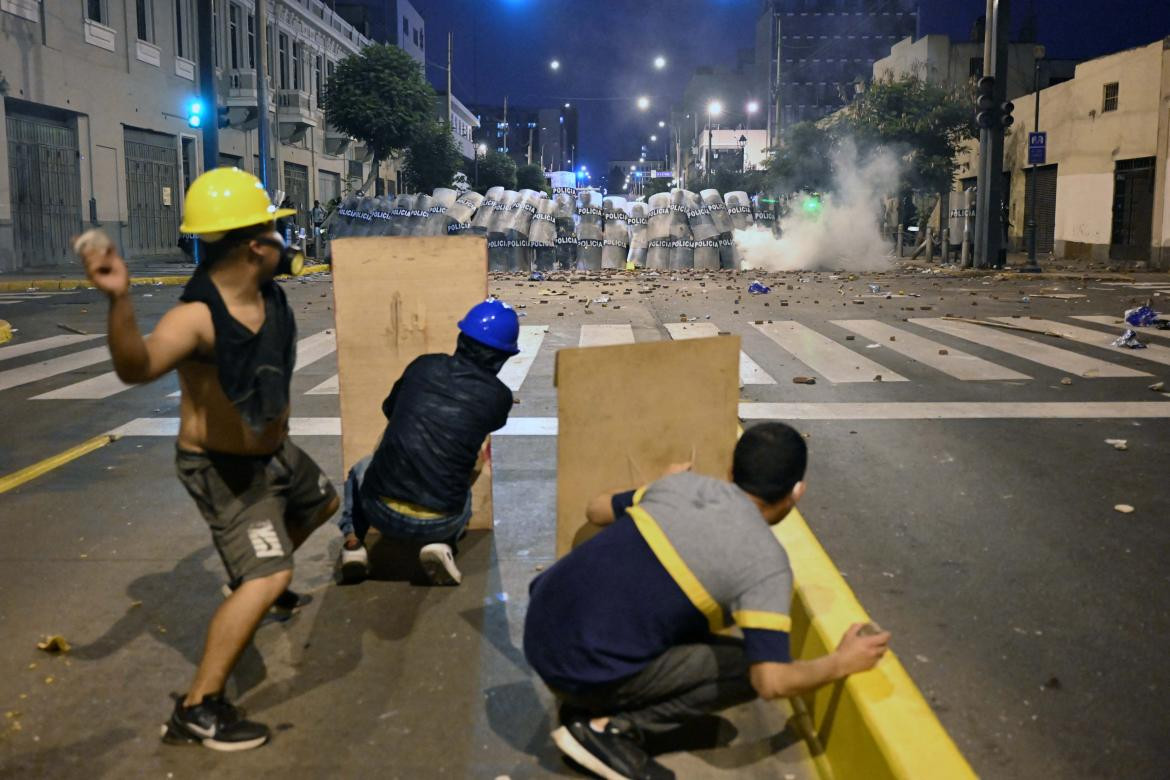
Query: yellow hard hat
[[224, 199]]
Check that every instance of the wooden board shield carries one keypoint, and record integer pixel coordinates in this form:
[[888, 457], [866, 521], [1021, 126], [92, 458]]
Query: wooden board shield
[[395, 298], [627, 412]]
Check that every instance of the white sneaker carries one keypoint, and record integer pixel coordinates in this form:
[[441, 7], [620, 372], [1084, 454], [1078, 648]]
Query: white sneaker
[[439, 563], [355, 564]]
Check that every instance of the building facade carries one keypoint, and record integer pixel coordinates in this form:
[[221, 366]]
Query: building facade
[[396, 22], [93, 131], [812, 54], [462, 120], [1102, 192], [530, 136]]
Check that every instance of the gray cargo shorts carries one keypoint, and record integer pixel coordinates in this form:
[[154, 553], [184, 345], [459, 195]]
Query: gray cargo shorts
[[251, 502]]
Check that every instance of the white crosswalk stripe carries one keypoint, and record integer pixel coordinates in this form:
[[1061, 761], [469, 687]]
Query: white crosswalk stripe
[[750, 372], [1119, 323], [818, 347], [953, 362], [46, 369], [605, 335], [1153, 352], [309, 351], [42, 345], [826, 357], [1037, 351], [515, 371]]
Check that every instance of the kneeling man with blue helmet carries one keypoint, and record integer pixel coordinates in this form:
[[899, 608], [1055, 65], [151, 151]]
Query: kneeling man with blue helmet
[[416, 487]]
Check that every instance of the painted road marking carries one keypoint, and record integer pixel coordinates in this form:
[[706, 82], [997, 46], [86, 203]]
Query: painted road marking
[[750, 372], [1153, 352], [516, 369], [956, 363], [1119, 323], [330, 386], [46, 369], [40, 345], [943, 410], [1024, 348], [955, 411], [605, 335], [825, 356], [309, 350]]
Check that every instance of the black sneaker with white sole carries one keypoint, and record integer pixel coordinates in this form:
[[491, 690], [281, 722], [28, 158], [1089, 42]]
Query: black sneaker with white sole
[[214, 723], [612, 754]]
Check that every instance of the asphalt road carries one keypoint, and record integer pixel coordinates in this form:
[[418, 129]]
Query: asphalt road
[[1026, 608]]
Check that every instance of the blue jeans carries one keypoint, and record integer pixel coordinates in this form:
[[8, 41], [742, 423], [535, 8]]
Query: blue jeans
[[358, 515]]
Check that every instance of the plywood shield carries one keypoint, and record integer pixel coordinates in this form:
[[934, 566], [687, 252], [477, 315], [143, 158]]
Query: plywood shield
[[627, 412], [396, 298]]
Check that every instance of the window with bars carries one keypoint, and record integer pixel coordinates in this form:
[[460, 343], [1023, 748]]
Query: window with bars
[[234, 55], [1110, 101], [183, 45], [282, 52], [251, 40], [95, 11], [318, 87], [144, 10], [298, 56]]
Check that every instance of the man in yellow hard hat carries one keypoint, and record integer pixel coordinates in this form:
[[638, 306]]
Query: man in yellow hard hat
[[232, 340]]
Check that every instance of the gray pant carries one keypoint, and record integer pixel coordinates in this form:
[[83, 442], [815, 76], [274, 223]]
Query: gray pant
[[681, 684]]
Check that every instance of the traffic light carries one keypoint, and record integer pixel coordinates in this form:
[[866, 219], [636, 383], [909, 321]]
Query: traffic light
[[1005, 114], [221, 114], [986, 115], [195, 113]]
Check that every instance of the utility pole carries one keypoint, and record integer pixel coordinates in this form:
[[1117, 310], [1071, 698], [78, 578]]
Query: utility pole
[[262, 130], [506, 127], [1032, 265], [207, 90], [988, 210], [450, 44], [709, 147]]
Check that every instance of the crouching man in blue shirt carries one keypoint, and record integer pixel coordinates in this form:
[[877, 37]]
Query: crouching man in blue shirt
[[623, 629]]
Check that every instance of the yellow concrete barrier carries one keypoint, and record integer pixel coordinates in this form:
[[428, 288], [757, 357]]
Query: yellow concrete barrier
[[869, 726]]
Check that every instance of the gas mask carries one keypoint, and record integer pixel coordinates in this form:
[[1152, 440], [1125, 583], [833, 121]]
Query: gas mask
[[292, 260]]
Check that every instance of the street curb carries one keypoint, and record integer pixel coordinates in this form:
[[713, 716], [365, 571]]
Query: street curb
[[876, 724], [5, 331], [31, 285]]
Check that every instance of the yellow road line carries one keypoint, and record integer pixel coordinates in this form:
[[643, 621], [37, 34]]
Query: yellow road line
[[83, 284], [29, 473]]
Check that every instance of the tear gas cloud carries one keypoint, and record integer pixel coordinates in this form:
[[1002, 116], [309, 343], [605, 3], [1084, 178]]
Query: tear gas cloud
[[844, 235]]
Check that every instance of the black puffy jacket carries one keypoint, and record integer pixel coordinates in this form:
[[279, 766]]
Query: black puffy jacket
[[438, 414]]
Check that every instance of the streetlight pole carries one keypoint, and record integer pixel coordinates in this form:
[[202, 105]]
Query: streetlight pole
[[709, 134], [1032, 265]]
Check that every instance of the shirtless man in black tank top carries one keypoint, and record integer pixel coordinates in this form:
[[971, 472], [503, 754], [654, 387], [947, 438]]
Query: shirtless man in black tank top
[[232, 342]]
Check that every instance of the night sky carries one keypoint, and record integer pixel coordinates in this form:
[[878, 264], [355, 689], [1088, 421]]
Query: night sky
[[606, 49]]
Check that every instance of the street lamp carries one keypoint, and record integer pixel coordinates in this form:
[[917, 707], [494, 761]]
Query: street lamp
[[643, 102], [555, 65], [714, 109], [659, 62], [752, 107], [742, 144], [653, 138], [661, 123]]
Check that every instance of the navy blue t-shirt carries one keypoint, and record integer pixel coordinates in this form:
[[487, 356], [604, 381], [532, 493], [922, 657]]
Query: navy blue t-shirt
[[611, 606]]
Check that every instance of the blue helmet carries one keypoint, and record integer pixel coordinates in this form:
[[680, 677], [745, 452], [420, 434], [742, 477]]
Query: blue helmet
[[494, 323]]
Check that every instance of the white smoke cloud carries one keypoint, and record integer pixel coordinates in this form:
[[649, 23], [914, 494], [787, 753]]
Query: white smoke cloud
[[846, 234]]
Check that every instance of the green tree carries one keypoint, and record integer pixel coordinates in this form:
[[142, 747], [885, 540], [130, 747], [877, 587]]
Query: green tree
[[750, 182], [802, 161], [924, 124], [497, 169], [380, 97], [654, 186], [530, 177], [432, 159]]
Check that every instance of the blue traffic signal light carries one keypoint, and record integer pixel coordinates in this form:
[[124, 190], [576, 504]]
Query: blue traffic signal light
[[195, 113]]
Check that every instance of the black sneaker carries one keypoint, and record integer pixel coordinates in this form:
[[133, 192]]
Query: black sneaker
[[612, 754], [215, 724], [285, 606]]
